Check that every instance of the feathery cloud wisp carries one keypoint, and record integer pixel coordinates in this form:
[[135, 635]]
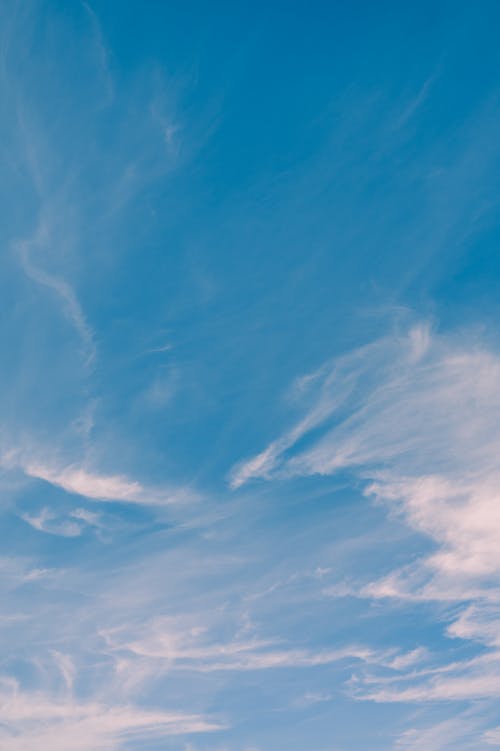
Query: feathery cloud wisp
[[99, 487], [37, 719], [417, 418]]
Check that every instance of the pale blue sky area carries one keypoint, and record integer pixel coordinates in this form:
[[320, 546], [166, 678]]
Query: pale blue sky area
[[250, 383]]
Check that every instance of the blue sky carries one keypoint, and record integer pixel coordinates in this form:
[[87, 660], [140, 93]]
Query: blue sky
[[250, 383]]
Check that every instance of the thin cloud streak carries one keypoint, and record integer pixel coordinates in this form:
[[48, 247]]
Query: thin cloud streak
[[98, 487], [64, 291]]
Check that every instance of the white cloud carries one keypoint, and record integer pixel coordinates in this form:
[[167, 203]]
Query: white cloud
[[477, 678], [310, 698], [417, 417], [420, 420], [16, 570], [89, 517], [99, 487], [451, 688], [190, 647], [39, 720], [492, 737], [416, 656], [480, 622], [64, 291], [417, 405], [47, 521], [66, 667], [455, 733]]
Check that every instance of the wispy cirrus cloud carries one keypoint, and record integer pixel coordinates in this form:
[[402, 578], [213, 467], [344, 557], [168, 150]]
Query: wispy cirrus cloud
[[184, 644], [67, 524], [416, 417], [46, 521], [492, 737], [477, 678], [102, 487], [38, 718], [27, 250], [83, 480], [441, 735]]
